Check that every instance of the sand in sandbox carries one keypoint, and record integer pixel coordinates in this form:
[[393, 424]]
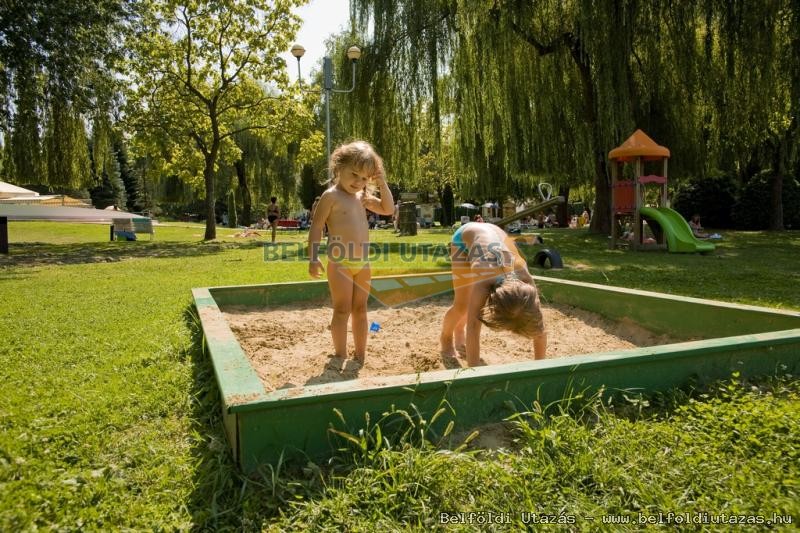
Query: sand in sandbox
[[292, 346]]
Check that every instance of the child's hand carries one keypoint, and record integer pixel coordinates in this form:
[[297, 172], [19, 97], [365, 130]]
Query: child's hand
[[314, 268]]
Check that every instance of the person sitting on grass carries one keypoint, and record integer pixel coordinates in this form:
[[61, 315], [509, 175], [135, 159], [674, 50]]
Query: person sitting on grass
[[697, 228], [491, 286]]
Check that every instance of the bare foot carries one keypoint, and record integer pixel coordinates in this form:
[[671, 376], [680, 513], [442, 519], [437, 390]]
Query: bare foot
[[479, 362], [448, 350], [462, 350], [359, 358]]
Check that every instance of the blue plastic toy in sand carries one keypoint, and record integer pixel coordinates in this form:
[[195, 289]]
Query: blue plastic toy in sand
[[375, 327]]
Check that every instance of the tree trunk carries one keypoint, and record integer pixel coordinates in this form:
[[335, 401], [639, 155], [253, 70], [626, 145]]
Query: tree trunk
[[208, 173], [776, 192], [562, 211], [247, 202], [211, 217], [601, 216], [448, 217]]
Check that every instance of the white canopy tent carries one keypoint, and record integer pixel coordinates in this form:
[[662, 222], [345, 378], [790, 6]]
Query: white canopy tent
[[10, 212], [12, 191], [57, 214]]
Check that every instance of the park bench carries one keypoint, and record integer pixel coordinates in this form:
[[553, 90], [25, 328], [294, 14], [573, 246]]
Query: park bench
[[129, 227], [285, 223]]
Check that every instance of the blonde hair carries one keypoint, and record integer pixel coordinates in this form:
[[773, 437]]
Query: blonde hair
[[360, 155], [513, 305]]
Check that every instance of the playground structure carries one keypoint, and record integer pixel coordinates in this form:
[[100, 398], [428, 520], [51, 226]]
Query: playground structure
[[530, 211], [546, 257], [669, 228]]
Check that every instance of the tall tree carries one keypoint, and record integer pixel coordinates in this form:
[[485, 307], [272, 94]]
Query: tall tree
[[547, 88], [266, 167], [753, 83], [204, 71], [57, 59], [126, 173]]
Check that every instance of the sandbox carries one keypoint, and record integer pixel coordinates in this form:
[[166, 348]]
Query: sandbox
[[289, 420], [291, 346]]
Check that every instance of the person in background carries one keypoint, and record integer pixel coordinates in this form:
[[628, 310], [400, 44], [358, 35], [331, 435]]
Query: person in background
[[273, 214], [697, 227]]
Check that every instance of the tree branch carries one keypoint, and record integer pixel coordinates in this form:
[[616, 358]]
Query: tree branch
[[222, 59], [243, 107], [542, 49], [188, 81], [198, 139]]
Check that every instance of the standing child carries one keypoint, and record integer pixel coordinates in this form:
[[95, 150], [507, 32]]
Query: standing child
[[343, 208], [492, 286]]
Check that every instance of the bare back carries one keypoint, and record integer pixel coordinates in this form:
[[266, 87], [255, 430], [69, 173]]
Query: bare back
[[481, 239]]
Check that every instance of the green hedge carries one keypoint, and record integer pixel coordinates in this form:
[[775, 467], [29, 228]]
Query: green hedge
[[723, 204], [752, 211]]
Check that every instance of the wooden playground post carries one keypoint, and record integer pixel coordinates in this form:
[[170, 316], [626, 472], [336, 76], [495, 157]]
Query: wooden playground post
[[637, 219]]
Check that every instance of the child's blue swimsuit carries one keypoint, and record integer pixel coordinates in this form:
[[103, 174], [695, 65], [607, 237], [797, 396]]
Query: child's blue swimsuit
[[494, 256], [458, 238]]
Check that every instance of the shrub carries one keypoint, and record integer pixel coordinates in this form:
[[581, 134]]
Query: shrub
[[752, 211], [711, 197]]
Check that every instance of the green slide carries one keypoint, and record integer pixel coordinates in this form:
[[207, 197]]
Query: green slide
[[676, 230]]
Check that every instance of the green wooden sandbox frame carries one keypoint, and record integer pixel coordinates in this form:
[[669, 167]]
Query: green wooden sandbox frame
[[289, 424]]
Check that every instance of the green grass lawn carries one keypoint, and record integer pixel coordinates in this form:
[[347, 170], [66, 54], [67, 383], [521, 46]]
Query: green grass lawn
[[109, 415]]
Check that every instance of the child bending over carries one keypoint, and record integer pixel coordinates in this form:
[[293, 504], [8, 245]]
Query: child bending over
[[492, 286], [343, 208]]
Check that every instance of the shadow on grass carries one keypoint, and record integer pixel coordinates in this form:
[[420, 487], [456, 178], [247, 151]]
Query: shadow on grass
[[32, 254], [223, 498]]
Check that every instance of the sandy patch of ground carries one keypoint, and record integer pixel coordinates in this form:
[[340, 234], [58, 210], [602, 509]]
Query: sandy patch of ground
[[291, 346]]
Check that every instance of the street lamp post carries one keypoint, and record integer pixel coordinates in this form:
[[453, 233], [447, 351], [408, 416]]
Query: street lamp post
[[353, 54]]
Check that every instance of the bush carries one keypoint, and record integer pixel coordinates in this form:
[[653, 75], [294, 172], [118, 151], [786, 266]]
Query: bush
[[710, 197], [752, 211]]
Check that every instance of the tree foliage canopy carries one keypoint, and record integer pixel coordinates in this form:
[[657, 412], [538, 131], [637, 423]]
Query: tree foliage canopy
[[210, 71], [547, 88], [57, 59]]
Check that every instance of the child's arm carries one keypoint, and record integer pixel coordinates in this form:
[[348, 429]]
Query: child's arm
[[383, 205], [477, 299], [315, 234], [540, 346], [520, 263]]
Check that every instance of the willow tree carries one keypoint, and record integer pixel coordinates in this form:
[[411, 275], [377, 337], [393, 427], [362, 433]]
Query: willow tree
[[538, 90], [266, 167], [547, 88], [204, 71], [57, 59], [752, 83], [398, 76]]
